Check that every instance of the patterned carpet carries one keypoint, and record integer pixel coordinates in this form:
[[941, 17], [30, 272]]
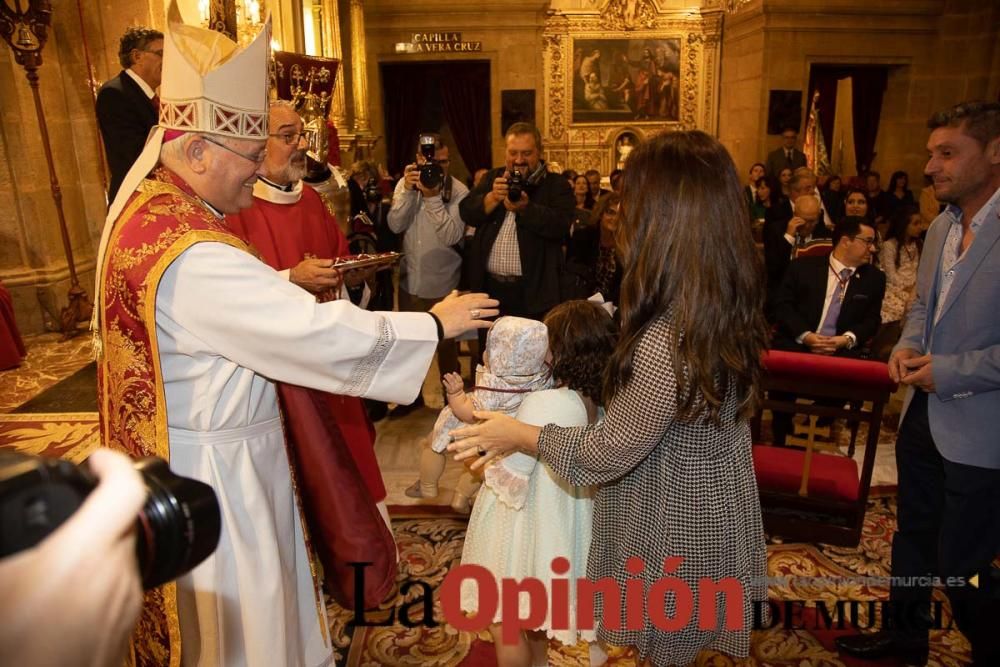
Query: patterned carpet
[[430, 540], [68, 435], [431, 546]]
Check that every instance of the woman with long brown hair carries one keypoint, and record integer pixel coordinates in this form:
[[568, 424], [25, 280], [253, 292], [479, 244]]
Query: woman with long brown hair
[[673, 453]]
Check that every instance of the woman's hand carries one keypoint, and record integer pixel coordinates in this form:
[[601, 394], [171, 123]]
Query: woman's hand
[[496, 435]]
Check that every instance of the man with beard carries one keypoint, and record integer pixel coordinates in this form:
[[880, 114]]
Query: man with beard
[[516, 254], [296, 233], [196, 334], [947, 450]]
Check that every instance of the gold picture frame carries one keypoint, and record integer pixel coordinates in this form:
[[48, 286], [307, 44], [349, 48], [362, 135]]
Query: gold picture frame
[[582, 138], [625, 80]]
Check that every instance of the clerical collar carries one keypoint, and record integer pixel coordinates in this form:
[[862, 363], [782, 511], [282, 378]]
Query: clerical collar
[[283, 188], [216, 212], [277, 194]]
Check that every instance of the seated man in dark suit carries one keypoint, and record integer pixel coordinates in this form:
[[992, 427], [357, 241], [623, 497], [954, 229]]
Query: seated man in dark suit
[[127, 104], [782, 237], [830, 305]]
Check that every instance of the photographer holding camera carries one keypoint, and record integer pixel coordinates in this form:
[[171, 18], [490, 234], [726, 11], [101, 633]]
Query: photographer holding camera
[[81, 581], [367, 229], [522, 215], [425, 212]]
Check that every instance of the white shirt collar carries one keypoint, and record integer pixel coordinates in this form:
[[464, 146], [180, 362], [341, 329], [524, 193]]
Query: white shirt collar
[[142, 84], [274, 194], [838, 266]]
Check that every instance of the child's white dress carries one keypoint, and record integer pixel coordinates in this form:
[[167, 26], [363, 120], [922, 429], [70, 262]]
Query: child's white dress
[[555, 520]]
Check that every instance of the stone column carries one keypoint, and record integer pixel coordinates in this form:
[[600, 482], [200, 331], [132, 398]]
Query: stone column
[[359, 68], [331, 25]]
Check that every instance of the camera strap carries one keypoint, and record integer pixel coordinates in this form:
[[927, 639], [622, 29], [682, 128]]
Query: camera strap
[[538, 174], [446, 190]]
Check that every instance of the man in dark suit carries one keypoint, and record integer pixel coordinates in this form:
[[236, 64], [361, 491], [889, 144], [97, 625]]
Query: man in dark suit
[[787, 156], [788, 229], [830, 305], [947, 451], [516, 254], [127, 106], [879, 200]]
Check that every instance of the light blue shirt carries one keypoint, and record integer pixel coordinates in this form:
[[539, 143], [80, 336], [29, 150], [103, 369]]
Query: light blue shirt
[[951, 254]]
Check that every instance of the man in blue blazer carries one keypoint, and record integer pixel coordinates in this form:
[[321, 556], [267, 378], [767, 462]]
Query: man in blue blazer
[[127, 104], [948, 449]]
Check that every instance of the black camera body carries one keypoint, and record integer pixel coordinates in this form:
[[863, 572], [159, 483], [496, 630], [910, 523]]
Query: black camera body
[[431, 173], [177, 528], [515, 186], [373, 194]]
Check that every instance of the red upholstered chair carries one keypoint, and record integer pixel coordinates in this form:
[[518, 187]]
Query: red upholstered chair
[[814, 493], [815, 248], [12, 350]]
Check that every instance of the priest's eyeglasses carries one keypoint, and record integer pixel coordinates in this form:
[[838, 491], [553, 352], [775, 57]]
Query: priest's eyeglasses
[[256, 159], [293, 138]]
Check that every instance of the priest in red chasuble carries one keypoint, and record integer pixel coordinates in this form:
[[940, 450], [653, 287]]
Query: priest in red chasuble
[[196, 335], [296, 233]]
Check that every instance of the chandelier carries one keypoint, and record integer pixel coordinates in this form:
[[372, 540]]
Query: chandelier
[[241, 20]]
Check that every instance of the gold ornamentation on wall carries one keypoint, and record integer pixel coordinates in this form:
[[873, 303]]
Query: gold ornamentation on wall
[[581, 137], [629, 14], [554, 51]]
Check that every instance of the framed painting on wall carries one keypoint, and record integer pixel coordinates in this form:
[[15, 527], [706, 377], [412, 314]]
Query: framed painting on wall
[[626, 80]]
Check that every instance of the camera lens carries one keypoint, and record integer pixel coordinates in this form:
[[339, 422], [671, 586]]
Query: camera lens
[[372, 192], [178, 526], [431, 175], [515, 186]]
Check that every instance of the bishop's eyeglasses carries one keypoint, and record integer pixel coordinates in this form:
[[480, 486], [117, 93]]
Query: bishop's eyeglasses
[[257, 158]]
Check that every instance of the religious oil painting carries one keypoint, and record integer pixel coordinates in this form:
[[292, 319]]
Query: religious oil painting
[[626, 80]]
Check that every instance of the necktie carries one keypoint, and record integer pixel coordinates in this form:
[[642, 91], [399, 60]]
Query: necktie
[[788, 155], [800, 242], [829, 326], [155, 101]]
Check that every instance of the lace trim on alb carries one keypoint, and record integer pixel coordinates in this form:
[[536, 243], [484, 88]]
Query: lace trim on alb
[[363, 373]]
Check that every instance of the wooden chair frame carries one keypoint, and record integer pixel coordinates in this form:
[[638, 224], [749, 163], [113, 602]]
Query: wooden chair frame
[[804, 517]]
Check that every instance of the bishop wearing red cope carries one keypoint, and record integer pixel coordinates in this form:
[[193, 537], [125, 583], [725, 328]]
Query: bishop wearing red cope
[[295, 232]]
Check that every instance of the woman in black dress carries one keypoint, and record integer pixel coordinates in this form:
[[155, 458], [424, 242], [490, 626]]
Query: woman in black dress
[[673, 453]]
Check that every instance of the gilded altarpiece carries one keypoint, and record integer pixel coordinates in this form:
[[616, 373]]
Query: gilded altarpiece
[[677, 52]]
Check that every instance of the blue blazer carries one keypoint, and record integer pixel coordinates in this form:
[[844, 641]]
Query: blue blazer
[[964, 413]]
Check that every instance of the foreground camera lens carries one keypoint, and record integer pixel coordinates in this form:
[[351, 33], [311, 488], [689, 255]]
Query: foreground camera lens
[[178, 526]]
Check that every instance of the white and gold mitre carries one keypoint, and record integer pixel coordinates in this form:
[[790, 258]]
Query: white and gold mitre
[[212, 85], [209, 85]]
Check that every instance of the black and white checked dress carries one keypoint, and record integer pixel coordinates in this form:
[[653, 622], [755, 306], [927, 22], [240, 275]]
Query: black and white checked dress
[[668, 489]]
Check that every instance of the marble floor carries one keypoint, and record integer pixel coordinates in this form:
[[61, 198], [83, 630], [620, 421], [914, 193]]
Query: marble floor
[[400, 441], [49, 361]]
